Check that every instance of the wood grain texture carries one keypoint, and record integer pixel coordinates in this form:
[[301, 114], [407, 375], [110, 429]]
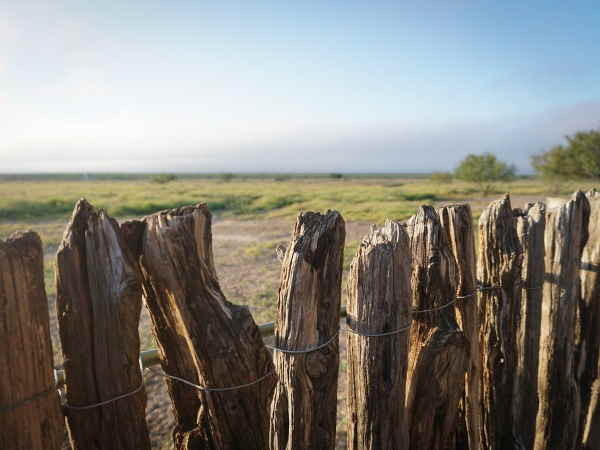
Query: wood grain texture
[[437, 390], [531, 224], [378, 301], [99, 301], [457, 223], [303, 412], [499, 272], [559, 402], [202, 337], [30, 415], [589, 335], [590, 439], [438, 352]]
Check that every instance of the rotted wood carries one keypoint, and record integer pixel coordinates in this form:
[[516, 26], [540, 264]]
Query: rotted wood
[[203, 338], [379, 302], [457, 223], [589, 346], [30, 415], [499, 271], [303, 412], [438, 350], [99, 300], [559, 403], [531, 224]]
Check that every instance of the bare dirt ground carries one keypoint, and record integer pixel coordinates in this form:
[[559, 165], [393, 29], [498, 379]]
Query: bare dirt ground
[[249, 274]]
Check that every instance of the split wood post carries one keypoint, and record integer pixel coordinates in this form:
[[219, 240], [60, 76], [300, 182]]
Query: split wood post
[[589, 347], [531, 224], [559, 402], [499, 272], [457, 222], [379, 314], [303, 412], [203, 338], [99, 300], [438, 352], [30, 415], [175, 356]]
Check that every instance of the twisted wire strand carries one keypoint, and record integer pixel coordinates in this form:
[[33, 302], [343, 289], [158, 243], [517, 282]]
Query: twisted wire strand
[[308, 350], [214, 389], [386, 333], [110, 400]]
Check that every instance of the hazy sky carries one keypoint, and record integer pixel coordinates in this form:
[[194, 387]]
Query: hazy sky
[[291, 85]]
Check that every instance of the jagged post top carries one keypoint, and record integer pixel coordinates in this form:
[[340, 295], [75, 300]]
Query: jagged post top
[[435, 274], [313, 235], [389, 234], [83, 214], [311, 280], [22, 238], [381, 267]]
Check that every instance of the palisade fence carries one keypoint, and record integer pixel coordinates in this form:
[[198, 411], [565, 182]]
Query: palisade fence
[[448, 348]]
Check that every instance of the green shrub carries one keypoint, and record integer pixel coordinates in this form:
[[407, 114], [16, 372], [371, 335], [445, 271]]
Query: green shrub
[[163, 178], [579, 158], [226, 177], [484, 170]]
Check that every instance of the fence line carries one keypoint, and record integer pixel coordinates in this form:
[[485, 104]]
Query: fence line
[[448, 357]]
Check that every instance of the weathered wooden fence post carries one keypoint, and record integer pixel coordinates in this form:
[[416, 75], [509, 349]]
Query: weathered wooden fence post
[[99, 301], [175, 356], [438, 355], [531, 223], [378, 321], [589, 348], [499, 272], [203, 338], [303, 412], [457, 222], [559, 402], [30, 415]]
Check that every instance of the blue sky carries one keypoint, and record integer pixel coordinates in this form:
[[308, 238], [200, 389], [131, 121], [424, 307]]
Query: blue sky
[[291, 86]]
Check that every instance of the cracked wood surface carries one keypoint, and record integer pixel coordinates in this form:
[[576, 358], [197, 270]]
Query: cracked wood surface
[[99, 302], [589, 347], [438, 350], [378, 301], [559, 402], [499, 272], [531, 224], [30, 415], [303, 412], [457, 223], [202, 337]]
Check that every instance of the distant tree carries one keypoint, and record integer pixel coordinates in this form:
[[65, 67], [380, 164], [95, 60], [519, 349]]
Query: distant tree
[[441, 177], [484, 170], [163, 178], [336, 176], [226, 177], [579, 158]]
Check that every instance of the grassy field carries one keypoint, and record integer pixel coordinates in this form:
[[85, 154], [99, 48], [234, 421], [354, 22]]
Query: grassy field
[[253, 215]]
